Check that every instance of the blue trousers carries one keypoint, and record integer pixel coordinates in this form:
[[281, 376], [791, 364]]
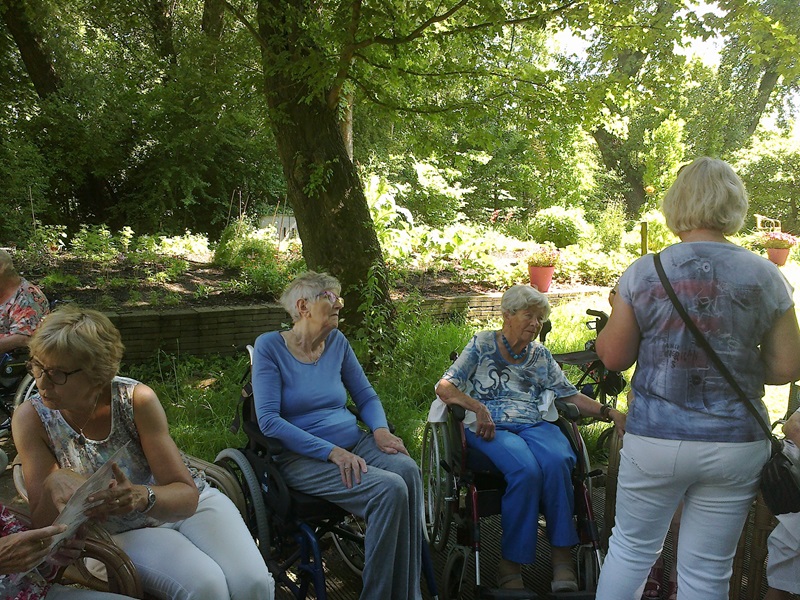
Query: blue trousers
[[536, 462], [389, 498]]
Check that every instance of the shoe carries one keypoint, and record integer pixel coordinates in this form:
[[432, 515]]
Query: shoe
[[511, 582], [509, 575], [564, 578], [672, 590], [652, 589]]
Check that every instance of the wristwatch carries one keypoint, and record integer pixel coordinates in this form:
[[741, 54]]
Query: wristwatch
[[605, 413], [151, 500]]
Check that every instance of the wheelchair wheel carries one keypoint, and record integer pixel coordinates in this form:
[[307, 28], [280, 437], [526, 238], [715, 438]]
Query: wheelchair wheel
[[438, 485], [256, 519], [348, 537], [453, 577], [590, 561], [25, 389]]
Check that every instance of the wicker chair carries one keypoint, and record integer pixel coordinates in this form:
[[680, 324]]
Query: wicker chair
[[120, 571]]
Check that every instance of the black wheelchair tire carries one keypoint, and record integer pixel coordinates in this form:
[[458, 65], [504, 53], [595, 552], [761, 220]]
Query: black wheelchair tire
[[256, 519], [453, 576], [437, 485], [589, 565], [25, 389]]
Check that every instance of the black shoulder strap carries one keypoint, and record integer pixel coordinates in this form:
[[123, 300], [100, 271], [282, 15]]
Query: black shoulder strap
[[703, 342]]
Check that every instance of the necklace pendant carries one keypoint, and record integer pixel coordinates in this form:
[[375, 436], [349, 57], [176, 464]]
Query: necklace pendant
[[81, 439]]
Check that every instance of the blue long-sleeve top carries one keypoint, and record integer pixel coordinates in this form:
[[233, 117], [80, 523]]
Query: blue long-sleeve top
[[304, 404]]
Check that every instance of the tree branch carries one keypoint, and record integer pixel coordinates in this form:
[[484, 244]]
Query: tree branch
[[346, 57], [247, 24]]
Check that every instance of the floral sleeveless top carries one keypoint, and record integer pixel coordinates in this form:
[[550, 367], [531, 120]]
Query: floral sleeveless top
[[87, 458], [21, 313], [30, 586]]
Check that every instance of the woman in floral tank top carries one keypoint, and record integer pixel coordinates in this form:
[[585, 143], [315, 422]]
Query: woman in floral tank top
[[186, 539]]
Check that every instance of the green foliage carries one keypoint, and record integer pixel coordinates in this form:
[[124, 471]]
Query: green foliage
[[561, 226], [255, 251], [199, 395], [58, 278], [609, 226], [658, 234], [375, 332]]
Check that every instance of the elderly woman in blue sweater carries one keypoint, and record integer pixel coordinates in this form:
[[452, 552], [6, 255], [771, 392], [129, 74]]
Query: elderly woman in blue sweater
[[301, 379]]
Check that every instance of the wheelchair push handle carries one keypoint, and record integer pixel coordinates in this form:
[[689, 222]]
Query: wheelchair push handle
[[600, 320]]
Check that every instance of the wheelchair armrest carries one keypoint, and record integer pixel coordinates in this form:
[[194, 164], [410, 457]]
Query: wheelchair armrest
[[459, 412], [568, 410], [256, 436]]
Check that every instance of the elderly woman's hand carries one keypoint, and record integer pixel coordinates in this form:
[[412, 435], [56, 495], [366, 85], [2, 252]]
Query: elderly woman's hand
[[21, 552], [69, 550], [388, 442], [119, 498], [484, 427], [351, 466]]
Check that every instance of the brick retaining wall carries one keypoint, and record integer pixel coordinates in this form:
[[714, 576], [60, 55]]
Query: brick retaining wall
[[224, 329]]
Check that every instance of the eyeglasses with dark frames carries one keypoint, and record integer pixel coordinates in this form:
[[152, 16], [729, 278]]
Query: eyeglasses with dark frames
[[57, 376], [331, 297]]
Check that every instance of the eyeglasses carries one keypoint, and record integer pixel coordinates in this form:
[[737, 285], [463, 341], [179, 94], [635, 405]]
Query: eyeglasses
[[331, 297], [57, 376]]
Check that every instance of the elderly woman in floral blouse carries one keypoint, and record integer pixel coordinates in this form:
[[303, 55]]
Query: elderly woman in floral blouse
[[22, 306], [511, 383]]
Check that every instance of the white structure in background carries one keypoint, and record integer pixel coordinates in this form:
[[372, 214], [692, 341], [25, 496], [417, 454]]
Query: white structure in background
[[285, 226]]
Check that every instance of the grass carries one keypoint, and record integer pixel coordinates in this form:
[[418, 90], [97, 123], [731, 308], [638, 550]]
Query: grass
[[200, 394]]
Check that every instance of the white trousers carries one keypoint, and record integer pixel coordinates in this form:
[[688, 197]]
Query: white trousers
[[209, 556], [783, 566], [59, 592], [717, 481]]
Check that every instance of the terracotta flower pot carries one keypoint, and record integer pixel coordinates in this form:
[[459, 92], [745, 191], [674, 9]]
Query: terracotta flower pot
[[541, 277], [778, 255]]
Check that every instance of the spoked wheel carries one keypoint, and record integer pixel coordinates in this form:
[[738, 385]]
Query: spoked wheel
[[256, 513], [25, 389], [454, 571], [348, 537], [438, 485]]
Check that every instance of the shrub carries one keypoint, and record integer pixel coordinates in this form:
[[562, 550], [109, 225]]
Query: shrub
[[658, 234], [562, 226]]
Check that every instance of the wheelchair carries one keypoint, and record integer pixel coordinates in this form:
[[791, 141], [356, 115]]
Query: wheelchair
[[291, 528], [461, 485], [16, 386]]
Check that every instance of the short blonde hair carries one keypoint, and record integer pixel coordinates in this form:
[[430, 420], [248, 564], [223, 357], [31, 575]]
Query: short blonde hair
[[309, 285], [521, 297], [83, 334], [707, 194]]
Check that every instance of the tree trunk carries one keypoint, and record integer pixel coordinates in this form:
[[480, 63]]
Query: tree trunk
[[31, 48], [346, 124], [161, 22], [616, 159], [213, 18], [323, 187]]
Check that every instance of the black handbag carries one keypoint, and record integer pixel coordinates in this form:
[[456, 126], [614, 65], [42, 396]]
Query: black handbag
[[780, 477]]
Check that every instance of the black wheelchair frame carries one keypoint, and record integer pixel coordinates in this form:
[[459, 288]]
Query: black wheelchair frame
[[459, 492], [16, 386], [289, 526]]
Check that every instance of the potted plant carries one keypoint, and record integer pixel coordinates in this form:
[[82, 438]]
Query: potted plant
[[542, 261], [778, 244]]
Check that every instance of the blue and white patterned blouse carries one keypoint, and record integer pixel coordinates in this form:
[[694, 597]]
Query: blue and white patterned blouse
[[513, 393]]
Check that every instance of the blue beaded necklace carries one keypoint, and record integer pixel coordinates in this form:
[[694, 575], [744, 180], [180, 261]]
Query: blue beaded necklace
[[511, 353]]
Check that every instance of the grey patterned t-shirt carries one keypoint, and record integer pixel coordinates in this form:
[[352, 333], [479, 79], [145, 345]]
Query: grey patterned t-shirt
[[735, 297]]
